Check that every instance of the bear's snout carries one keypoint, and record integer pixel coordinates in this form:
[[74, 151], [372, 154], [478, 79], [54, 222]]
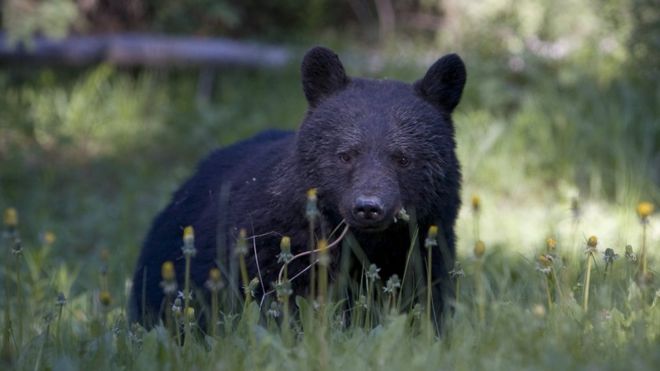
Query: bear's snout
[[370, 213], [368, 210]]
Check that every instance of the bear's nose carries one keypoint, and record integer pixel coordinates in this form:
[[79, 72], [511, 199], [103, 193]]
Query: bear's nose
[[368, 210]]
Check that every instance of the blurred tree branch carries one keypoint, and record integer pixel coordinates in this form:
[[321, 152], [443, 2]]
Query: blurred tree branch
[[143, 50]]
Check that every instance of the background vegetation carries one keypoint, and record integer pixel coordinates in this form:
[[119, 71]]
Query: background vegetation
[[562, 108]]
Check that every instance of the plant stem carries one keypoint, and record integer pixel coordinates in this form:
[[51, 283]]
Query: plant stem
[[429, 291], [643, 260], [587, 279]]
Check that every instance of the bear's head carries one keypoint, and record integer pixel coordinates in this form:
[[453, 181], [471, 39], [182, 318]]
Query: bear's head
[[373, 147]]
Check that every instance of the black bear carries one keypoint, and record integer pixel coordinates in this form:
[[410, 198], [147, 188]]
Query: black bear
[[371, 148]]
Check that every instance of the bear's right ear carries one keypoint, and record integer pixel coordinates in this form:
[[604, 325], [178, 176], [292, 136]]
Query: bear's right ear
[[322, 74], [443, 83]]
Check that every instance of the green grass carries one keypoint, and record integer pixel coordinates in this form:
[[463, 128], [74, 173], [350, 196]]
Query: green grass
[[93, 155]]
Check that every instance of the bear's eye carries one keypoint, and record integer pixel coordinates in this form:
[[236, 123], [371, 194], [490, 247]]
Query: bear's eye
[[345, 157], [403, 161]]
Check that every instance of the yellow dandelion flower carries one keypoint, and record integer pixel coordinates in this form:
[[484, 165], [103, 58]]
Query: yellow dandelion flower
[[645, 209], [551, 244], [11, 217], [311, 194], [433, 231], [167, 271], [592, 241], [49, 238], [188, 234], [105, 297], [214, 275], [479, 249], [476, 203]]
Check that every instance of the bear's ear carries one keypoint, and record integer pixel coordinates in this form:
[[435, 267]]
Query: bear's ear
[[443, 83], [322, 74]]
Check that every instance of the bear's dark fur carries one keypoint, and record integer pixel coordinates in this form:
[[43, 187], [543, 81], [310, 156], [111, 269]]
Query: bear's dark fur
[[370, 148]]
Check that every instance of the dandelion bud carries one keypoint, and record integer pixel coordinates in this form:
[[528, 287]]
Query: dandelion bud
[[188, 235], [476, 203], [311, 194], [176, 307], [214, 275], [241, 243], [214, 283], [249, 289], [324, 258], [431, 237], [479, 249], [190, 314], [285, 244], [644, 210], [551, 244], [433, 231], [105, 297], [311, 210], [285, 255], [11, 217], [167, 271]]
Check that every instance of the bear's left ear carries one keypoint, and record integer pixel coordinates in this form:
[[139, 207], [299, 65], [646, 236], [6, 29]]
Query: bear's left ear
[[322, 74], [443, 83]]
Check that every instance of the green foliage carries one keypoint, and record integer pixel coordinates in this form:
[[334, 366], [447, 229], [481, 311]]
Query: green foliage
[[560, 105], [25, 18], [76, 330]]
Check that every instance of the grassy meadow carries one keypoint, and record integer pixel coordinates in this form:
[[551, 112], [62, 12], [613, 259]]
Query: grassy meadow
[[558, 239]]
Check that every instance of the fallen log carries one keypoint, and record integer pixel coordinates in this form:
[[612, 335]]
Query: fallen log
[[143, 50]]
